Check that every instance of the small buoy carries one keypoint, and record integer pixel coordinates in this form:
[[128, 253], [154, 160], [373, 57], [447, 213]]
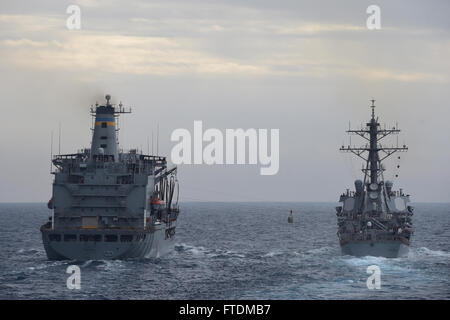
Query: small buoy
[[291, 218]]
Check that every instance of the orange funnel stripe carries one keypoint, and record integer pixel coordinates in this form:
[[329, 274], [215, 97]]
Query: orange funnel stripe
[[108, 123]]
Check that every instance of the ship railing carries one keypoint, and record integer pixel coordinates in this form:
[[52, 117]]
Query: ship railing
[[68, 156], [153, 158], [363, 237], [102, 228]]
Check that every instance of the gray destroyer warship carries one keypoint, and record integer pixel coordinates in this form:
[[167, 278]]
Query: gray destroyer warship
[[374, 220], [109, 204]]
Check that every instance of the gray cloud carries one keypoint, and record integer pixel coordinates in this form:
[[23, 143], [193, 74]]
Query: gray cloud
[[304, 67]]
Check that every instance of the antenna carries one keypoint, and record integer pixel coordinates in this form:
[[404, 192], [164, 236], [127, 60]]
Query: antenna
[[51, 151], [152, 142], [59, 139], [93, 119], [148, 146], [373, 108], [157, 139]]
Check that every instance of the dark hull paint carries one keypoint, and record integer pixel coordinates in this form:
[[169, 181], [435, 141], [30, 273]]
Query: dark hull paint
[[387, 249], [155, 243]]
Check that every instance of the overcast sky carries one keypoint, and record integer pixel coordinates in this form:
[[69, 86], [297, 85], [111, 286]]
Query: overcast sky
[[304, 67]]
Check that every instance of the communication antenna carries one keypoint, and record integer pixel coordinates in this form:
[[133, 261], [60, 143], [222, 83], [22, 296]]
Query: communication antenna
[[59, 139], [51, 151], [157, 139]]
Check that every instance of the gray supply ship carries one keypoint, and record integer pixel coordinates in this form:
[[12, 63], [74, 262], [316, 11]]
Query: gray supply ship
[[374, 220], [109, 204]]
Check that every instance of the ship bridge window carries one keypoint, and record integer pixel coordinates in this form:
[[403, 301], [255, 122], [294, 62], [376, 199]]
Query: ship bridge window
[[54, 237], [91, 237], [70, 237], [110, 238], [104, 125], [103, 137], [126, 238]]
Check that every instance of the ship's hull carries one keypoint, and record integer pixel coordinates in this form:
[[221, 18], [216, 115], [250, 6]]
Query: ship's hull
[[387, 249], [92, 244]]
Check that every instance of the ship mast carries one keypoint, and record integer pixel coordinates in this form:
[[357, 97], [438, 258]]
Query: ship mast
[[372, 151]]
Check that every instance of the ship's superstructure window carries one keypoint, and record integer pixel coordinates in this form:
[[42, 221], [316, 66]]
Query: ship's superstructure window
[[91, 237], [70, 237], [110, 238], [126, 238], [104, 125], [54, 237], [103, 146], [103, 137]]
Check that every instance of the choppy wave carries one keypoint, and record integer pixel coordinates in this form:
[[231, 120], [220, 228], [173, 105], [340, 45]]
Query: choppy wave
[[237, 252], [425, 252], [274, 253], [207, 252], [196, 250]]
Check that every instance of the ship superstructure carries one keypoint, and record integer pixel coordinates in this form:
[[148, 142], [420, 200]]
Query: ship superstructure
[[109, 204], [374, 220]]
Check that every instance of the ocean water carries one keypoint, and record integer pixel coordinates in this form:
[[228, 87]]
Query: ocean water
[[233, 251]]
